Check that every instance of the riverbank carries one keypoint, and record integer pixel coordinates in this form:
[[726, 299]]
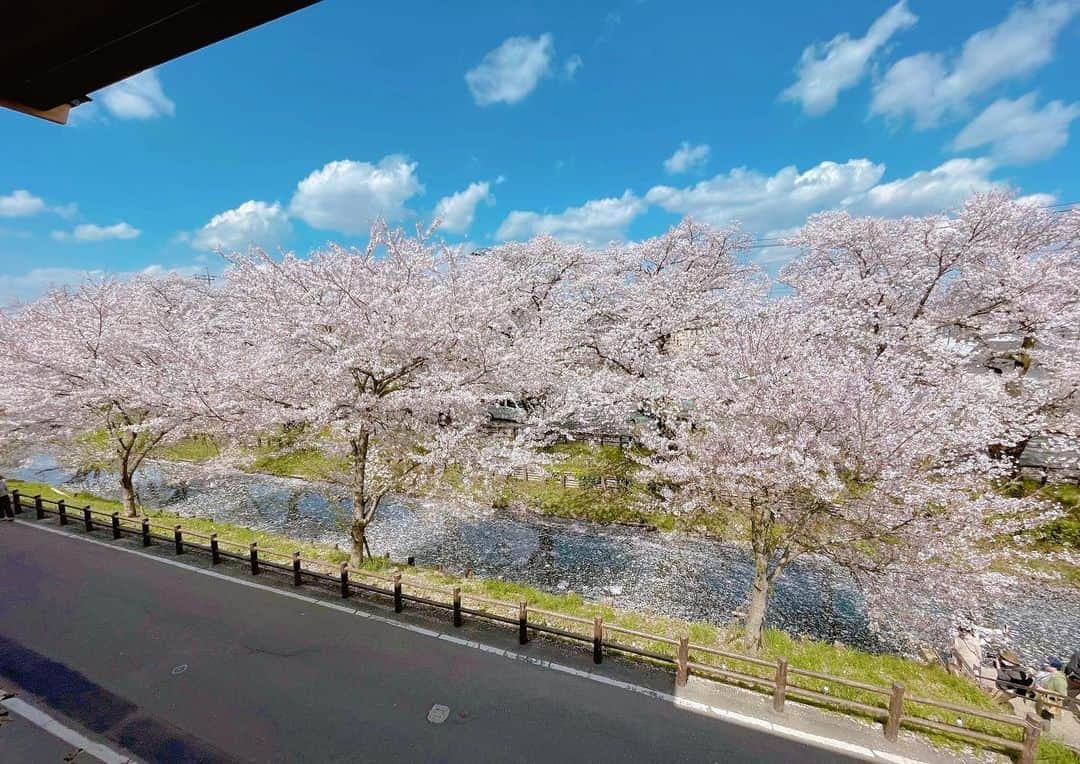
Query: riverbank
[[931, 681], [627, 501]]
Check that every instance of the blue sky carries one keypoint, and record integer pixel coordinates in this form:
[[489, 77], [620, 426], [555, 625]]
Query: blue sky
[[583, 120]]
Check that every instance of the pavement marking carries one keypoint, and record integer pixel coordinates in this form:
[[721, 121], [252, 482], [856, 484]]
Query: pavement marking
[[37, 717], [732, 717]]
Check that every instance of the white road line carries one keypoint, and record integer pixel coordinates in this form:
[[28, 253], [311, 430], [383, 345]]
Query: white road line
[[73, 738], [731, 717]]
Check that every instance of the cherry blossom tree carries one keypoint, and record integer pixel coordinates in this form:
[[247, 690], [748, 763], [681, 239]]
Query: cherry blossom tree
[[385, 358], [108, 364], [637, 306], [1000, 276], [851, 420], [811, 449]]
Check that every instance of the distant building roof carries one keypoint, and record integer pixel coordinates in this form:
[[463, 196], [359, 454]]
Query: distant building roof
[[53, 53]]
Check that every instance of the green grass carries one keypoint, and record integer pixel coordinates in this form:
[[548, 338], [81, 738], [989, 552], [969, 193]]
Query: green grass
[[627, 504], [310, 462], [1053, 752], [199, 448], [630, 502], [1057, 535], [77, 500], [269, 541], [1065, 531], [591, 462]]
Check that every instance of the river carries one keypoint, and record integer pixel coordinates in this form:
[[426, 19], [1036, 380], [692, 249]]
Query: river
[[668, 573]]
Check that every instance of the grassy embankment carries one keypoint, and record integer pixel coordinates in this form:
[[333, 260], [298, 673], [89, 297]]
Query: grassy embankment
[[632, 500], [1058, 535], [928, 681], [629, 502]]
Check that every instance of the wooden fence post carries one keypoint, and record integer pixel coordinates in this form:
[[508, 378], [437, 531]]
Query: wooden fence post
[[523, 622], [178, 540], [116, 525], [215, 552], [146, 531], [88, 519], [598, 639], [39, 508], [1032, 730], [296, 569], [344, 580], [457, 606], [896, 710], [253, 551], [398, 604], [15, 504], [682, 669], [61, 507], [780, 690]]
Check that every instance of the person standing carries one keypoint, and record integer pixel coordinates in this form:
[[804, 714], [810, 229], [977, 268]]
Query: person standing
[[1072, 680], [5, 501], [1052, 680]]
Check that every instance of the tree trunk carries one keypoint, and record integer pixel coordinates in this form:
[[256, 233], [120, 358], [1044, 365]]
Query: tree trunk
[[127, 490], [759, 601], [357, 532], [361, 517]]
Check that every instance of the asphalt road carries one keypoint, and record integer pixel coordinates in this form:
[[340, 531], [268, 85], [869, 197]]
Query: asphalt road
[[174, 665]]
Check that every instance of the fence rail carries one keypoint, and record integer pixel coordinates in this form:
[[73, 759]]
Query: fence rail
[[897, 709], [534, 474]]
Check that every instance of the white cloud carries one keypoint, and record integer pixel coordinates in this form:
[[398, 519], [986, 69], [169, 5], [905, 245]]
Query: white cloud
[[348, 196], [930, 87], [826, 69], [20, 203], [571, 65], [137, 97], [1037, 200], [929, 191], [252, 224], [66, 211], [511, 71], [1017, 131], [458, 211], [596, 222], [686, 158], [92, 232], [767, 202]]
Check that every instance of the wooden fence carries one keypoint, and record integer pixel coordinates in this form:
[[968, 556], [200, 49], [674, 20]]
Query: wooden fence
[[894, 706], [565, 479]]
